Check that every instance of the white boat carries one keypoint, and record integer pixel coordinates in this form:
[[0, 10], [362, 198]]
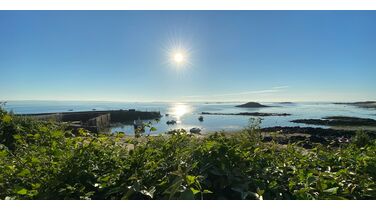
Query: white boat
[[138, 124]]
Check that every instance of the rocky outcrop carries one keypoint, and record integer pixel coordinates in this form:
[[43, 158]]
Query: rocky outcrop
[[308, 137], [248, 114], [251, 105], [338, 121]]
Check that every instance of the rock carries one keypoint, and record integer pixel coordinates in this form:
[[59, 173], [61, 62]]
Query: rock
[[297, 138], [317, 139], [267, 138], [308, 137], [177, 132], [307, 145], [282, 141], [248, 114], [251, 105], [338, 121]]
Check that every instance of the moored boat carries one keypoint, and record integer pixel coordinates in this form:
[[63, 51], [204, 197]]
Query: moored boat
[[139, 125], [195, 130], [171, 122]]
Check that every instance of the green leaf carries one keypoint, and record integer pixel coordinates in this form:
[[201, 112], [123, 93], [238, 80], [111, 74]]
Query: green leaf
[[191, 179], [3, 153], [36, 185], [44, 129], [173, 188], [57, 134], [149, 193], [195, 191], [105, 179], [331, 190], [153, 129], [260, 192], [187, 195], [17, 137], [37, 136], [35, 160], [22, 191], [24, 173], [7, 119], [210, 144], [310, 179]]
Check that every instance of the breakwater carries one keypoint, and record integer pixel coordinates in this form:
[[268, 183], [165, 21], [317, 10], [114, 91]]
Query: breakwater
[[95, 121]]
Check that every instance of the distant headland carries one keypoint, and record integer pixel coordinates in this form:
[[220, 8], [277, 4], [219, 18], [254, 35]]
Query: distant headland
[[365, 104]]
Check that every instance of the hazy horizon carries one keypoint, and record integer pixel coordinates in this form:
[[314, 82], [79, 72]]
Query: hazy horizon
[[188, 56], [174, 101]]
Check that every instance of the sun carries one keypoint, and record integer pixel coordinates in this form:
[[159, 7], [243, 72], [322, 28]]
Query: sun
[[178, 57]]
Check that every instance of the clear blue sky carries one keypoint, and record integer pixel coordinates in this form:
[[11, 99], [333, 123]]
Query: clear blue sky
[[233, 55]]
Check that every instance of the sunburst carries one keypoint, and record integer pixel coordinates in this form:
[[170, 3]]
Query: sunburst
[[178, 54]]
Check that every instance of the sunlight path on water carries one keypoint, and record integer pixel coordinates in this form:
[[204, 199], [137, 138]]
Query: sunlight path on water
[[178, 110]]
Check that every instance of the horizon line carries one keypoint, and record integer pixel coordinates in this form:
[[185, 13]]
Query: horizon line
[[175, 101]]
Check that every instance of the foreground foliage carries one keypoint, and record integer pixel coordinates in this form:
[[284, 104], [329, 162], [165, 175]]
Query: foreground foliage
[[41, 160]]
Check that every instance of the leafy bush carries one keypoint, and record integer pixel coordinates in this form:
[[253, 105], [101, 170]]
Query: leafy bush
[[43, 160], [362, 139]]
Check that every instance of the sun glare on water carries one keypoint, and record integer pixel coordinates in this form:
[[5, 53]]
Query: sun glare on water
[[178, 110]]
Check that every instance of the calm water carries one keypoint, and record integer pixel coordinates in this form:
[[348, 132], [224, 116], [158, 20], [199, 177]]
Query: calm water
[[186, 114]]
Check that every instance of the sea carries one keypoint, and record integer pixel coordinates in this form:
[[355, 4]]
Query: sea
[[186, 114]]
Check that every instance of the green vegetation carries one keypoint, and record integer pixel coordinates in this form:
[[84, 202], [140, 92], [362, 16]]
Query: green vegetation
[[43, 160]]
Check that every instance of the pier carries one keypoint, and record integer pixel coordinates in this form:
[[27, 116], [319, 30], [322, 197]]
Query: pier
[[96, 121]]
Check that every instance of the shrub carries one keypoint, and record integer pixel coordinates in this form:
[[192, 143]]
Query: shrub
[[43, 160]]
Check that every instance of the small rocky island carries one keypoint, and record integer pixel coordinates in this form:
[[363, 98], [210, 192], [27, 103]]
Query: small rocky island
[[252, 105], [338, 121], [286, 103], [248, 114]]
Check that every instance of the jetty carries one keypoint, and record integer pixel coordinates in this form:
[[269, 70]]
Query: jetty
[[96, 121]]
